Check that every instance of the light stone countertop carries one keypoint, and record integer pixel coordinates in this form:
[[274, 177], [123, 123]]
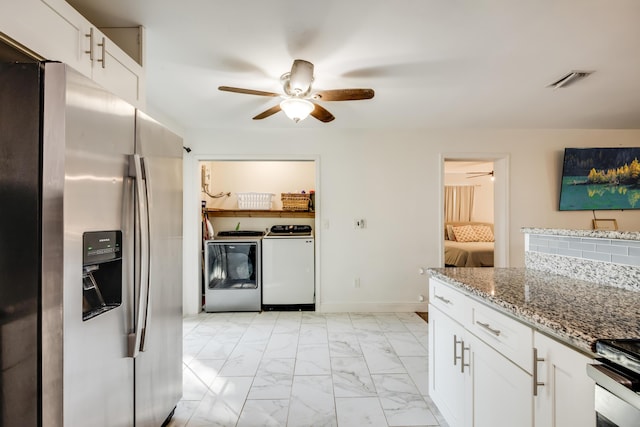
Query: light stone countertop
[[574, 311]]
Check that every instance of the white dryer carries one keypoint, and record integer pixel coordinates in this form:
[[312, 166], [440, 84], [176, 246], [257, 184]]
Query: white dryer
[[288, 268]]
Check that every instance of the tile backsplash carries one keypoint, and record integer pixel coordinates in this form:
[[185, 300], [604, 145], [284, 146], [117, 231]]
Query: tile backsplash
[[625, 252], [605, 260]]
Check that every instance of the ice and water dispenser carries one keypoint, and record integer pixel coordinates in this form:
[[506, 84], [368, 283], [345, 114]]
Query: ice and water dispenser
[[101, 272]]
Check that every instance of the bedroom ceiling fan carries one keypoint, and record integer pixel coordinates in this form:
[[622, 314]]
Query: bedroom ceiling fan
[[479, 174], [300, 100]]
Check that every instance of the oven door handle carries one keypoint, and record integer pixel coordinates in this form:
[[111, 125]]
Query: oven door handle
[[610, 380]]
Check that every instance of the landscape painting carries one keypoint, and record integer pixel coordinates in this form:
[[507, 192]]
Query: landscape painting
[[600, 179]]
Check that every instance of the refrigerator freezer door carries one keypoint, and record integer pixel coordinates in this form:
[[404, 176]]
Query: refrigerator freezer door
[[19, 243], [98, 375], [158, 367]]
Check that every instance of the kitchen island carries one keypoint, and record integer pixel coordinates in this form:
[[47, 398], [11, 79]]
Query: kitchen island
[[574, 311], [511, 346]]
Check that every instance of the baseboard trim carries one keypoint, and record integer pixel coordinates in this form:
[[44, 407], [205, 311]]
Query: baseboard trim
[[372, 307]]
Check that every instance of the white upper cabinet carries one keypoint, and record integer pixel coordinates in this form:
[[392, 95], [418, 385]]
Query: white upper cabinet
[[56, 31], [115, 70]]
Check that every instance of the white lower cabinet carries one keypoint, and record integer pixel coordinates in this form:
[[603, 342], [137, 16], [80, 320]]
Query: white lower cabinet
[[482, 367], [446, 379], [500, 390], [566, 396], [471, 383]]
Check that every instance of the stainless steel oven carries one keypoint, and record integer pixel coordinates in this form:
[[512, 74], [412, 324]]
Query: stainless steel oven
[[617, 377]]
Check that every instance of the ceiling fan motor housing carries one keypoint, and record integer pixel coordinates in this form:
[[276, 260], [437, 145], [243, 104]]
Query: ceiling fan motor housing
[[298, 81]]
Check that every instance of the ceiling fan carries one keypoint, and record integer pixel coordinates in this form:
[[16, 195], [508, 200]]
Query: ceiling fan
[[300, 100], [479, 174]]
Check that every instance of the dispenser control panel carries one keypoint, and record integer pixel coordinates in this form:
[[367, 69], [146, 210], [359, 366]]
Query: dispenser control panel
[[101, 246], [101, 272]]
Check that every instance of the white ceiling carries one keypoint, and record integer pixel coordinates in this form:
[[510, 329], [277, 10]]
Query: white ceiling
[[432, 63]]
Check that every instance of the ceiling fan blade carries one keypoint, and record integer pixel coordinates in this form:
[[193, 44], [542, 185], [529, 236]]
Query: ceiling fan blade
[[479, 174], [321, 114], [271, 111], [247, 91], [343, 94]]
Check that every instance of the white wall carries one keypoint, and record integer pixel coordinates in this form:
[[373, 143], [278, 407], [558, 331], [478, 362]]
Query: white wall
[[394, 180], [274, 177]]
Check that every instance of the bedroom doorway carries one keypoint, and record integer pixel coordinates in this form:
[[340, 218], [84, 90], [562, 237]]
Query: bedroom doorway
[[474, 201]]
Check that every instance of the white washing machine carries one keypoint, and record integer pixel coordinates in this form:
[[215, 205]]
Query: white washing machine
[[288, 268]]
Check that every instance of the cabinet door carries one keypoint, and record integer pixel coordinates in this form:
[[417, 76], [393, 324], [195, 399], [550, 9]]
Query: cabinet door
[[567, 397], [501, 391], [115, 70], [50, 28], [446, 381], [56, 31]]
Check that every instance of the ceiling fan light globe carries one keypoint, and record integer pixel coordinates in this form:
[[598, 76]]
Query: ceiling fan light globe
[[296, 109]]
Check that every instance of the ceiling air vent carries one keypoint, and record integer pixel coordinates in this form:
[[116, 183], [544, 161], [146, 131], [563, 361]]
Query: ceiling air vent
[[569, 78]]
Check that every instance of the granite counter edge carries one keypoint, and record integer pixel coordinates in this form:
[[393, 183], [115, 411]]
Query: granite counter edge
[[575, 339]]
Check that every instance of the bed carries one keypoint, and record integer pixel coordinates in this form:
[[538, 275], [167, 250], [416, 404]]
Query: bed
[[468, 244]]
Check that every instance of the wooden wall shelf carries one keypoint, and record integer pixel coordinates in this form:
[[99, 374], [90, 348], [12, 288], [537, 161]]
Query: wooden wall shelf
[[246, 213]]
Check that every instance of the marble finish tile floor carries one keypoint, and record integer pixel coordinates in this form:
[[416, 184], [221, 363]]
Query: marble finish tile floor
[[305, 369]]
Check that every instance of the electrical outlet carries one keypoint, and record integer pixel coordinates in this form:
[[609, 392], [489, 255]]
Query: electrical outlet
[[356, 282], [359, 223]]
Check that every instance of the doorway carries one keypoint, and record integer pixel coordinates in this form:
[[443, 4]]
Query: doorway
[[468, 210], [485, 177], [193, 197]]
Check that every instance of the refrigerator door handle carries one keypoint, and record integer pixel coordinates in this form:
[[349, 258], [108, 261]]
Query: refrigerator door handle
[[137, 337]]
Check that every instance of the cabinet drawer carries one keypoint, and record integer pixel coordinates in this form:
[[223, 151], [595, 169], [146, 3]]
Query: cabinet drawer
[[509, 337], [452, 302]]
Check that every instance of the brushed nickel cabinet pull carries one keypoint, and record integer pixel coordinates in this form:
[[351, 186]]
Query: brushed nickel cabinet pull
[[90, 51], [443, 299], [103, 46], [455, 349], [536, 383], [486, 326], [462, 364]]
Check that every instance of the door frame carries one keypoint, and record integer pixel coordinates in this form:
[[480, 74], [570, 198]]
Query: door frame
[[192, 211], [500, 202]]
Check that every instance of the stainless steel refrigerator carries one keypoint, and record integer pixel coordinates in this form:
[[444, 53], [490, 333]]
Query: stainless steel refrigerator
[[90, 254]]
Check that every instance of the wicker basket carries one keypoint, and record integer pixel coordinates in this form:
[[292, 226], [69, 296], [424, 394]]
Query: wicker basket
[[256, 201], [295, 202]]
